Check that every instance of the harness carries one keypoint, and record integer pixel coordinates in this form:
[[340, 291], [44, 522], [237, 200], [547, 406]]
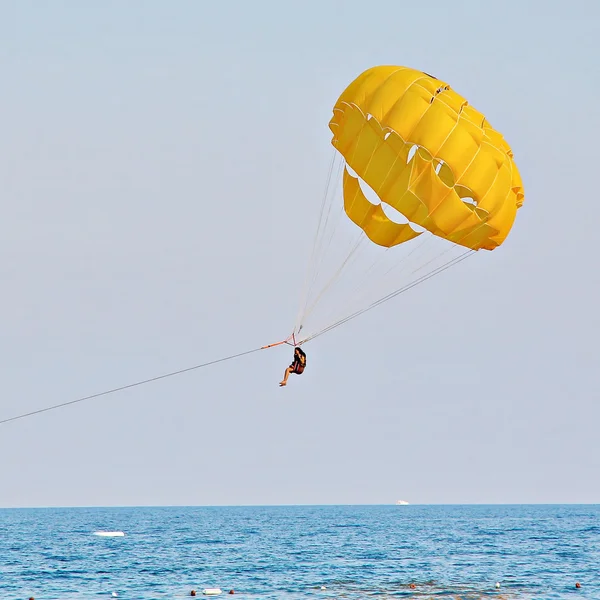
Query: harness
[[299, 362]]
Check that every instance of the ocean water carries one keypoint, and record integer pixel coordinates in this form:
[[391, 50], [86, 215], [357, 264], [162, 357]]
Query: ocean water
[[293, 552]]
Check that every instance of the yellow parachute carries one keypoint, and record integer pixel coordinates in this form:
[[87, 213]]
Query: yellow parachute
[[462, 183], [413, 148]]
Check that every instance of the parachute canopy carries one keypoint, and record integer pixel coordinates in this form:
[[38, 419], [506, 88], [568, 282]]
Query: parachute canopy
[[427, 153], [414, 160]]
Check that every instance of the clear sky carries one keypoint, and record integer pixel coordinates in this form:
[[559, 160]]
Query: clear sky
[[161, 169]]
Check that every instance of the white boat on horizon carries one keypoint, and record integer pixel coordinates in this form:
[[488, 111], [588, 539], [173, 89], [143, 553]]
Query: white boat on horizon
[[402, 502]]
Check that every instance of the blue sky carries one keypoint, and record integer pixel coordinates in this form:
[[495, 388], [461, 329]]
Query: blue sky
[[162, 167]]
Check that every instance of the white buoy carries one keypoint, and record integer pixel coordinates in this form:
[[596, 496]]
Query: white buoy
[[323, 587], [497, 584], [212, 592]]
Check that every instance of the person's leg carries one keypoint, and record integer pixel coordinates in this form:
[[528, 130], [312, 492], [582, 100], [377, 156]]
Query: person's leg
[[285, 376]]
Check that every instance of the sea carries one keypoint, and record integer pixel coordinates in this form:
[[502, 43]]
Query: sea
[[440, 552]]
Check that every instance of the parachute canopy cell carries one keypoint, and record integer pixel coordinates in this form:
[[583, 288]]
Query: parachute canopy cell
[[427, 153]]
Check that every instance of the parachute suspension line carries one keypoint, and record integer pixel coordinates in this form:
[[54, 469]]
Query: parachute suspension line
[[337, 274], [366, 281], [359, 294], [367, 277], [350, 308], [305, 290], [404, 288], [348, 255], [360, 240], [334, 229], [440, 269], [346, 252], [337, 217], [316, 260], [438, 255], [353, 243], [395, 293]]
